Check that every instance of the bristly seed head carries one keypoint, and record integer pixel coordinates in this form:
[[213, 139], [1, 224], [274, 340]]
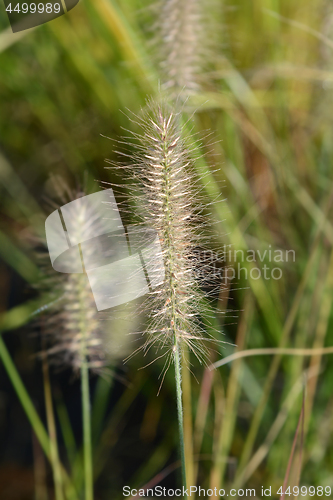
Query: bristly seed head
[[165, 190], [187, 33], [72, 324]]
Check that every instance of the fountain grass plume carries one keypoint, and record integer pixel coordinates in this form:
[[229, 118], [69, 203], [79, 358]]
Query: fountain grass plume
[[187, 36], [180, 30], [162, 182], [73, 326]]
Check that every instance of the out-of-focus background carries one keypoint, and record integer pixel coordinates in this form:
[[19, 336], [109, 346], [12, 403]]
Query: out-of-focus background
[[268, 101]]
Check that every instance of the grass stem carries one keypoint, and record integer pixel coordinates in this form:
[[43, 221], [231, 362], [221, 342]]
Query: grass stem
[[85, 394], [88, 474], [54, 455], [24, 398], [180, 413], [187, 410]]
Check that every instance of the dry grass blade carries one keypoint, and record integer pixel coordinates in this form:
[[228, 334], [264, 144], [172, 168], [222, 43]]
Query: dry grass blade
[[267, 351], [300, 426]]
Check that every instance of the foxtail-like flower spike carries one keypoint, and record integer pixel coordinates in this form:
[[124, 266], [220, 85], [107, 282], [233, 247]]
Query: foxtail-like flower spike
[[168, 200], [77, 332], [187, 44], [72, 325], [180, 29]]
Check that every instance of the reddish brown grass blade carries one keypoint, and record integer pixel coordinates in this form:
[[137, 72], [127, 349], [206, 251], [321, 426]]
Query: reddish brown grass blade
[[300, 425]]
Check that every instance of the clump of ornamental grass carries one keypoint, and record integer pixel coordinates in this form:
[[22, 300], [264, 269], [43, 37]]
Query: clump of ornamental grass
[[166, 195]]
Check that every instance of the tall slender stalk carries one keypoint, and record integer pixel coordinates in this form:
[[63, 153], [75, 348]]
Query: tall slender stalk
[[88, 473], [180, 412], [85, 394], [54, 455], [188, 424]]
